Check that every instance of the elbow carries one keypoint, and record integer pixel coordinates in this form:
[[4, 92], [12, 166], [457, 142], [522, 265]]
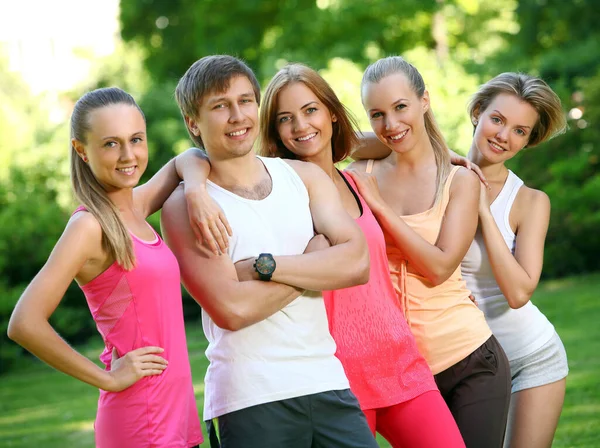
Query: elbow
[[363, 271], [17, 330], [437, 278], [231, 319], [363, 266], [358, 273], [231, 322], [518, 299]]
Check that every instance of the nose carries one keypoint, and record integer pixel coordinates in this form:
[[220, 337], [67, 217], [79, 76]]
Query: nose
[[235, 113], [127, 152], [300, 124], [389, 122], [502, 134]]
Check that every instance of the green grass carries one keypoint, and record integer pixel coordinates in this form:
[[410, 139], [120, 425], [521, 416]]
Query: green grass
[[41, 407]]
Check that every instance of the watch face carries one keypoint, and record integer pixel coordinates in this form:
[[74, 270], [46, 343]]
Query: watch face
[[265, 265]]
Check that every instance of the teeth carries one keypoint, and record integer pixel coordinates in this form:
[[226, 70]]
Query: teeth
[[307, 137], [498, 147], [399, 136], [126, 170], [238, 133]]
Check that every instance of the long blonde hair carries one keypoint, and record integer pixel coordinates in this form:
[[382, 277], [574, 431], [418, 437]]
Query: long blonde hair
[[343, 138], [116, 240], [395, 64], [536, 92]]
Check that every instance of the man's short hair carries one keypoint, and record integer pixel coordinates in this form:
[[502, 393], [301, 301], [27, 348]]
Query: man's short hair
[[207, 75]]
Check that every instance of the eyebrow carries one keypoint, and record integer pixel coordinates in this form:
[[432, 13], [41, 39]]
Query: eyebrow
[[117, 138], [504, 118], [393, 104], [224, 98], [306, 105]]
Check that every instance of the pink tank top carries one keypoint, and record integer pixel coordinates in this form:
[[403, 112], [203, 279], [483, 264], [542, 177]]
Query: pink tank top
[[374, 344], [133, 309]]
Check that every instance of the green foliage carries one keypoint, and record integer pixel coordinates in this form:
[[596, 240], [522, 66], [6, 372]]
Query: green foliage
[[30, 224]]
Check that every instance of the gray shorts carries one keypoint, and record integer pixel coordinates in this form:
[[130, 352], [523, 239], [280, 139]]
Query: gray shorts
[[323, 420], [546, 365]]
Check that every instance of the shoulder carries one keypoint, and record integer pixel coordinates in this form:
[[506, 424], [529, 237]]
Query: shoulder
[[85, 223], [306, 170], [83, 235], [358, 165], [299, 165], [530, 202], [532, 196], [175, 201], [465, 180]]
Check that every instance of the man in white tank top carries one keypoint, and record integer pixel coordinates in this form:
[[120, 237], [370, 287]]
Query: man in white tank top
[[273, 379]]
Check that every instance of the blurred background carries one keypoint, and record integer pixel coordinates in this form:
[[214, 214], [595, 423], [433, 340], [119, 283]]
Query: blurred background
[[52, 52]]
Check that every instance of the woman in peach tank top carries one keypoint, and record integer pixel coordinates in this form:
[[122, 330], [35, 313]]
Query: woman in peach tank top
[[428, 212]]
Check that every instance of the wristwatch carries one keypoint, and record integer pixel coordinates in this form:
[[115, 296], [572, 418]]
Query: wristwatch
[[265, 266]]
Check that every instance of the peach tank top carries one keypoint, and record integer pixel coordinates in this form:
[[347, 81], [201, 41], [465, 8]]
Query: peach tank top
[[446, 324]]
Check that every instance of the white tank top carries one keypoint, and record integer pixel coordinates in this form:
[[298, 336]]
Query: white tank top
[[291, 353], [521, 331]]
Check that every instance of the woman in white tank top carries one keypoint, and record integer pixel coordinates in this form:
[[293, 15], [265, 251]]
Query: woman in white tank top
[[503, 265]]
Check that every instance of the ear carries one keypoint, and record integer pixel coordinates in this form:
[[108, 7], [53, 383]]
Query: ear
[[192, 126], [333, 119], [79, 148], [425, 101], [476, 114]]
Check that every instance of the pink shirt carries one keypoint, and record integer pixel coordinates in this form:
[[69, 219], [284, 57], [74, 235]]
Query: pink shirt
[[374, 343], [138, 308]]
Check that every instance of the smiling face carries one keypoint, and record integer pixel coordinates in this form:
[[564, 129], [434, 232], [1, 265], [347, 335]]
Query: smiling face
[[304, 123], [227, 121], [396, 112], [504, 128], [115, 146]]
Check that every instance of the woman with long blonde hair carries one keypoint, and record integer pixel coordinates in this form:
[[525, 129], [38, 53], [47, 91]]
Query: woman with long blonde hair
[[428, 212]]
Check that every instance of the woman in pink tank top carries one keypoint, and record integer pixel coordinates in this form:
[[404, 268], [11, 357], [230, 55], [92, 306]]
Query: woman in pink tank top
[[428, 212], [129, 277], [302, 118]]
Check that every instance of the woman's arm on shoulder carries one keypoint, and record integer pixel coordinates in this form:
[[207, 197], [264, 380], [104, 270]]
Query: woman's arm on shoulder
[[29, 326], [369, 147], [457, 232], [208, 220], [518, 275], [358, 165], [436, 261], [150, 196]]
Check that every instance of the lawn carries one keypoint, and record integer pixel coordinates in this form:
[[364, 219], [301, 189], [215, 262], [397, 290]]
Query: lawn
[[41, 407]]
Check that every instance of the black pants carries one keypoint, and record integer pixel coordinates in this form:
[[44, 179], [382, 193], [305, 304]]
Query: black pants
[[323, 420], [477, 391]]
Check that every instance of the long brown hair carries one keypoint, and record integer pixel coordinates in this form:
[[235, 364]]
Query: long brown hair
[[344, 136], [116, 240], [396, 64], [535, 91]]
